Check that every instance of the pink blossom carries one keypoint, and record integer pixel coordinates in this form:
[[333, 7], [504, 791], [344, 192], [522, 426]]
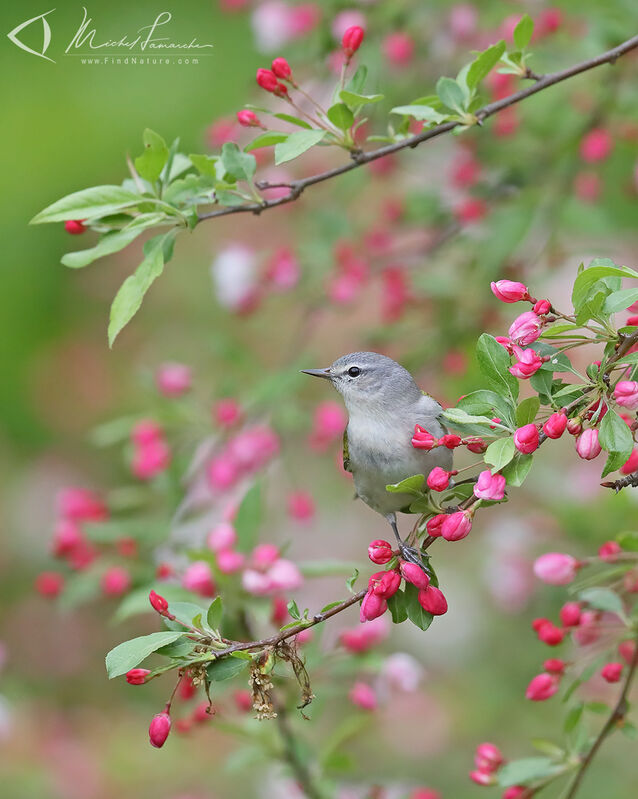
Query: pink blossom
[[631, 464], [542, 687], [587, 445], [264, 556], [173, 379], [509, 290], [626, 394], [284, 576], [146, 432], [372, 606], [67, 536], [526, 439], [159, 729], [398, 48], [422, 439], [609, 551], [456, 525], [253, 447], [402, 672], [434, 525], [229, 561], [198, 578], [283, 270], [627, 651], [555, 568], [488, 757], [380, 551], [226, 412], [554, 666], [222, 472], [328, 424], [527, 363], [466, 171], [256, 583], [385, 584], [516, 792], [611, 672], [489, 486], [301, 506], [438, 479], [570, 614], [361, 639], [151, 459], [526, 328], [550, 634], [396, 293], [432, 600], [596, 145], [463, 21], [222, 536], [588, 631], [482, 777], [81, 505], [470, 210], [137, 676], [555, 426], [49, 584], [221, 131], [115, 581], [234, 274], [362, 695]]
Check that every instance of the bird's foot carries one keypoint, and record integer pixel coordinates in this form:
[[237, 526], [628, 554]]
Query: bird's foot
[[413, 555]]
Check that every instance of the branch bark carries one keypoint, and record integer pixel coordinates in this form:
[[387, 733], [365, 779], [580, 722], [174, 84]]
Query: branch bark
[[297, 187]]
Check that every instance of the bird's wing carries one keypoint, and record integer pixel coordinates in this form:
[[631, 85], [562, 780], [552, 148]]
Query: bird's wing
[[346, 452]]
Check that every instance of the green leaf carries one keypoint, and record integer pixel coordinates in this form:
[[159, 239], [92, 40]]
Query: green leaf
[[484, 63], [615, 437], [517, 469], [599, 268], [355, 100], [628, 541], [352, 580], [489, 403], [294, 610], [559, 362], [620, 300], [204, 164], [494, 363], [112, 242], [185, 612], [267, 139], [236, 162], [225, 669], [214, 613], [411, 485], [296, 144], [131, 293], [397, 607], [573, 717], [500, 453], [451, 94], [523, 32], [341, 116], [149, 165], [527, 410], [421, 618], [528, 769], [127, 655], [190, 190], [457, 416], [88, 204], [249, 518], [541, 382], [597, 707], [424, 113], [358, 80], [602, 599], [301, 123]]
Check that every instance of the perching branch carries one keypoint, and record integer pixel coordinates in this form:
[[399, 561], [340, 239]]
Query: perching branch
[[358, 159], [616, 717]]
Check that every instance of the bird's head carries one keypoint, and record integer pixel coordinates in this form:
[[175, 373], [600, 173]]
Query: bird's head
[[368, 380]]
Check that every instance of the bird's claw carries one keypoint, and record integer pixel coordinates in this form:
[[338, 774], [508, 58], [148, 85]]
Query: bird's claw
[[413, 555]]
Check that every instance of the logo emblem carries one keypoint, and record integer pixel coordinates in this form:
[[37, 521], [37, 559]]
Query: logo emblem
[[46, 36]]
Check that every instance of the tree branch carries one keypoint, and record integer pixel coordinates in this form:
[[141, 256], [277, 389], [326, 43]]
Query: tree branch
[[617, 715], [358, 159]]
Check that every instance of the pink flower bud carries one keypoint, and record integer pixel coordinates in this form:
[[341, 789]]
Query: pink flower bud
[[555, 426], [243, 700], [146, 432], [422, 439], [526, 328], [627, 651], [516, 792], [173, 379], [456, 525], [542, 307], [438, 479], [476, 445], [398, 48], [328, 425], [267, 80], [574, 427], [159, 729], [362, 695], [67, 536], [264, 555], [489, 486], [158, 603], [608, 551], [222, 536], [542, 687], [198, 578], [509, 291], [137, 676], [372, 606], [631, 464], [528, 362], [587, 445], [432, 600], [81, 505], [284, 576], [380, 551], [229, 561], [588, 631], [414, 574], [281, 68], [551, 635], [283, 270], [570, 614], [385, 584], [226, 412], [538, 623], [435, 524], [301, 506], [424, 793], [248, 119], [526, 439], [150, 460], [596, 146], [505, 342], [363, 638], [482, 777], [470, 210], [115, 581], [222, 472], [555, 568], [75, 226], [49, 584], [611, 672], [626, 394], [554, 666], [488, 757], [450, 441], [351, 40]]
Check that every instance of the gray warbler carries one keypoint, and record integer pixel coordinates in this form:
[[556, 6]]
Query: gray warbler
[[384, 404]]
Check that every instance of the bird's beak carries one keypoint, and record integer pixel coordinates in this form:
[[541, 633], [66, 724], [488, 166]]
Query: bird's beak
[[325, 373]]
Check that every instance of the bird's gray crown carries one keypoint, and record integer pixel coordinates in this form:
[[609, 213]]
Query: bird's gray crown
[[366, 379]]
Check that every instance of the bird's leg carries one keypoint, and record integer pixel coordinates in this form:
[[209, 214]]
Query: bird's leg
[[408, 553]]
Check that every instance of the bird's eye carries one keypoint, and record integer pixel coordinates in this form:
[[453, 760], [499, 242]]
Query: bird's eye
[[354, 371]]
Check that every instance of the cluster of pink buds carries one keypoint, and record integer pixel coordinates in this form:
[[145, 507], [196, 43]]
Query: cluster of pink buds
[[270, 79], [422, 439], [488, 759], [328, 424], [151, 453], [365, 637], [173, 379], [556, 568], [626, 394], [451, 526], [527, 363], [244, 454], [547, 683], [268, 573], [351, 274]]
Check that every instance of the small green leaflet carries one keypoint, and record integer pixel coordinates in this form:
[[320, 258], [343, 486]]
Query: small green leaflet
[[421, 112], [603, 599], [226, 668], [354, 100], [615, 437], [494, 363], [484, 63], [519, 772], [149, 165], [88, 204], [500, 453], [341, 116], [411, 485], [352, 580], [296, 144], [527, 410], [451, 94], [266, 140], [459, 416], [127, 655], [214, 614], [204, 164], [523, 32], [237, 163]]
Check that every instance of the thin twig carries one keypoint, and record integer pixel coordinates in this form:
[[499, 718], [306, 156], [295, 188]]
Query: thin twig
[[616, 716], [544, 82], [292, 757]]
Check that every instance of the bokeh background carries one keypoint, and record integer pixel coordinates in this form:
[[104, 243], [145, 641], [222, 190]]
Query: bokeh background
[[538, 209]]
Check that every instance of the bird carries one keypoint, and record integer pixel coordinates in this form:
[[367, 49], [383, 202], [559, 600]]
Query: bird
[[384, 404]]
